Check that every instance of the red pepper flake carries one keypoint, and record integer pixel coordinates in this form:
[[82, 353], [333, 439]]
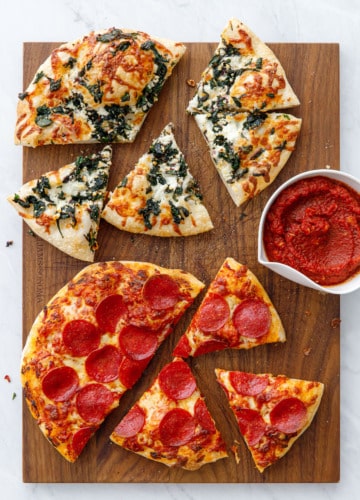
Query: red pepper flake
[[7, 378]]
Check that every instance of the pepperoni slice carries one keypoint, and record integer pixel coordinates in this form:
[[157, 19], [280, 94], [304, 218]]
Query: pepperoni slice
[[213, 314], [251, 424], [60, 384], [252, 318], [103, 364], [80, 337], [161, 292], [177, 381], [138, 343], [130, 371], [210, 346], [109, 312], [80, 439], [177, 427], [248, 384], [289, 415], [203, 416], [93, 402], [183, 348], [132, 423]]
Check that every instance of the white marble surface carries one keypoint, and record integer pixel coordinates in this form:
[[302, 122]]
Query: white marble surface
[[185, 20]]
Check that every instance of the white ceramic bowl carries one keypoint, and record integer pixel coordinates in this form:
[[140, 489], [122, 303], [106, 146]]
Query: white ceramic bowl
[[288, 272]]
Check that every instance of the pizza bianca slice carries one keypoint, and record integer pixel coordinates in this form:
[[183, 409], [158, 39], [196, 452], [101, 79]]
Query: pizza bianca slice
[[236, 313], [249, 150], [98, 88], [159, 197], [92, 342], [271, 411], [64, 206], [170, 423], [243, 75]]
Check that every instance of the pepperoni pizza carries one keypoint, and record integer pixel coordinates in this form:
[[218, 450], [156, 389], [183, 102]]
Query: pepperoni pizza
[[92, 342], [170, 423], [236, 313], [271, 411]]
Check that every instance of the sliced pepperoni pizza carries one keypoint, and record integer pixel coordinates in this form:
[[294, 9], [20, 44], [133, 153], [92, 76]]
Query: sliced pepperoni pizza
[[271, 411], [92, 342], [159, 197], [170, 423], [235, 313]]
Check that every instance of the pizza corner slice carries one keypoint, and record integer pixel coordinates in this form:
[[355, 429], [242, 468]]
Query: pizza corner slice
[[171, 423], [92, 342], [249, 150], [236, 313], [243, 75], [272, 412], [63, 206], [98, 88], [159, 197]]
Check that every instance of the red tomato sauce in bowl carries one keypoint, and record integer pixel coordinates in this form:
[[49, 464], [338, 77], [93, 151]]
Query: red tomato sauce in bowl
[[314, 227]]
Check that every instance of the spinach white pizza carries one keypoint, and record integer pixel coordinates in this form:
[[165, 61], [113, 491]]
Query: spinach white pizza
[[159, 197], [234, 107], [249, 150], [63, 206], [98, 88]]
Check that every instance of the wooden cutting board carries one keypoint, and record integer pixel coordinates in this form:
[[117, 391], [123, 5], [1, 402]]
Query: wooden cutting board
[[312, 350]]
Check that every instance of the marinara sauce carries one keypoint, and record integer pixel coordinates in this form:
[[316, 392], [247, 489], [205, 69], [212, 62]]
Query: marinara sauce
[[314, 227]]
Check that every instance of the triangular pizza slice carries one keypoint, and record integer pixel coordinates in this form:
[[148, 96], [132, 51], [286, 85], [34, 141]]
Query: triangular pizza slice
[[170, 423], [243, 75], [235, 313], [98, 88], [272, 412], [92, 342], [63, 206], [249, 150], [159, 197]]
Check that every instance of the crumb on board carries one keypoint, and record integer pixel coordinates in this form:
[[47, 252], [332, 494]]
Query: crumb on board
[[307, 351], [235, 449], [191, 82], [335, 322]]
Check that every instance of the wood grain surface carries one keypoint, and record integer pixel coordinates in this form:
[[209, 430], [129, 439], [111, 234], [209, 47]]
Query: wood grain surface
[[312, 350]]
